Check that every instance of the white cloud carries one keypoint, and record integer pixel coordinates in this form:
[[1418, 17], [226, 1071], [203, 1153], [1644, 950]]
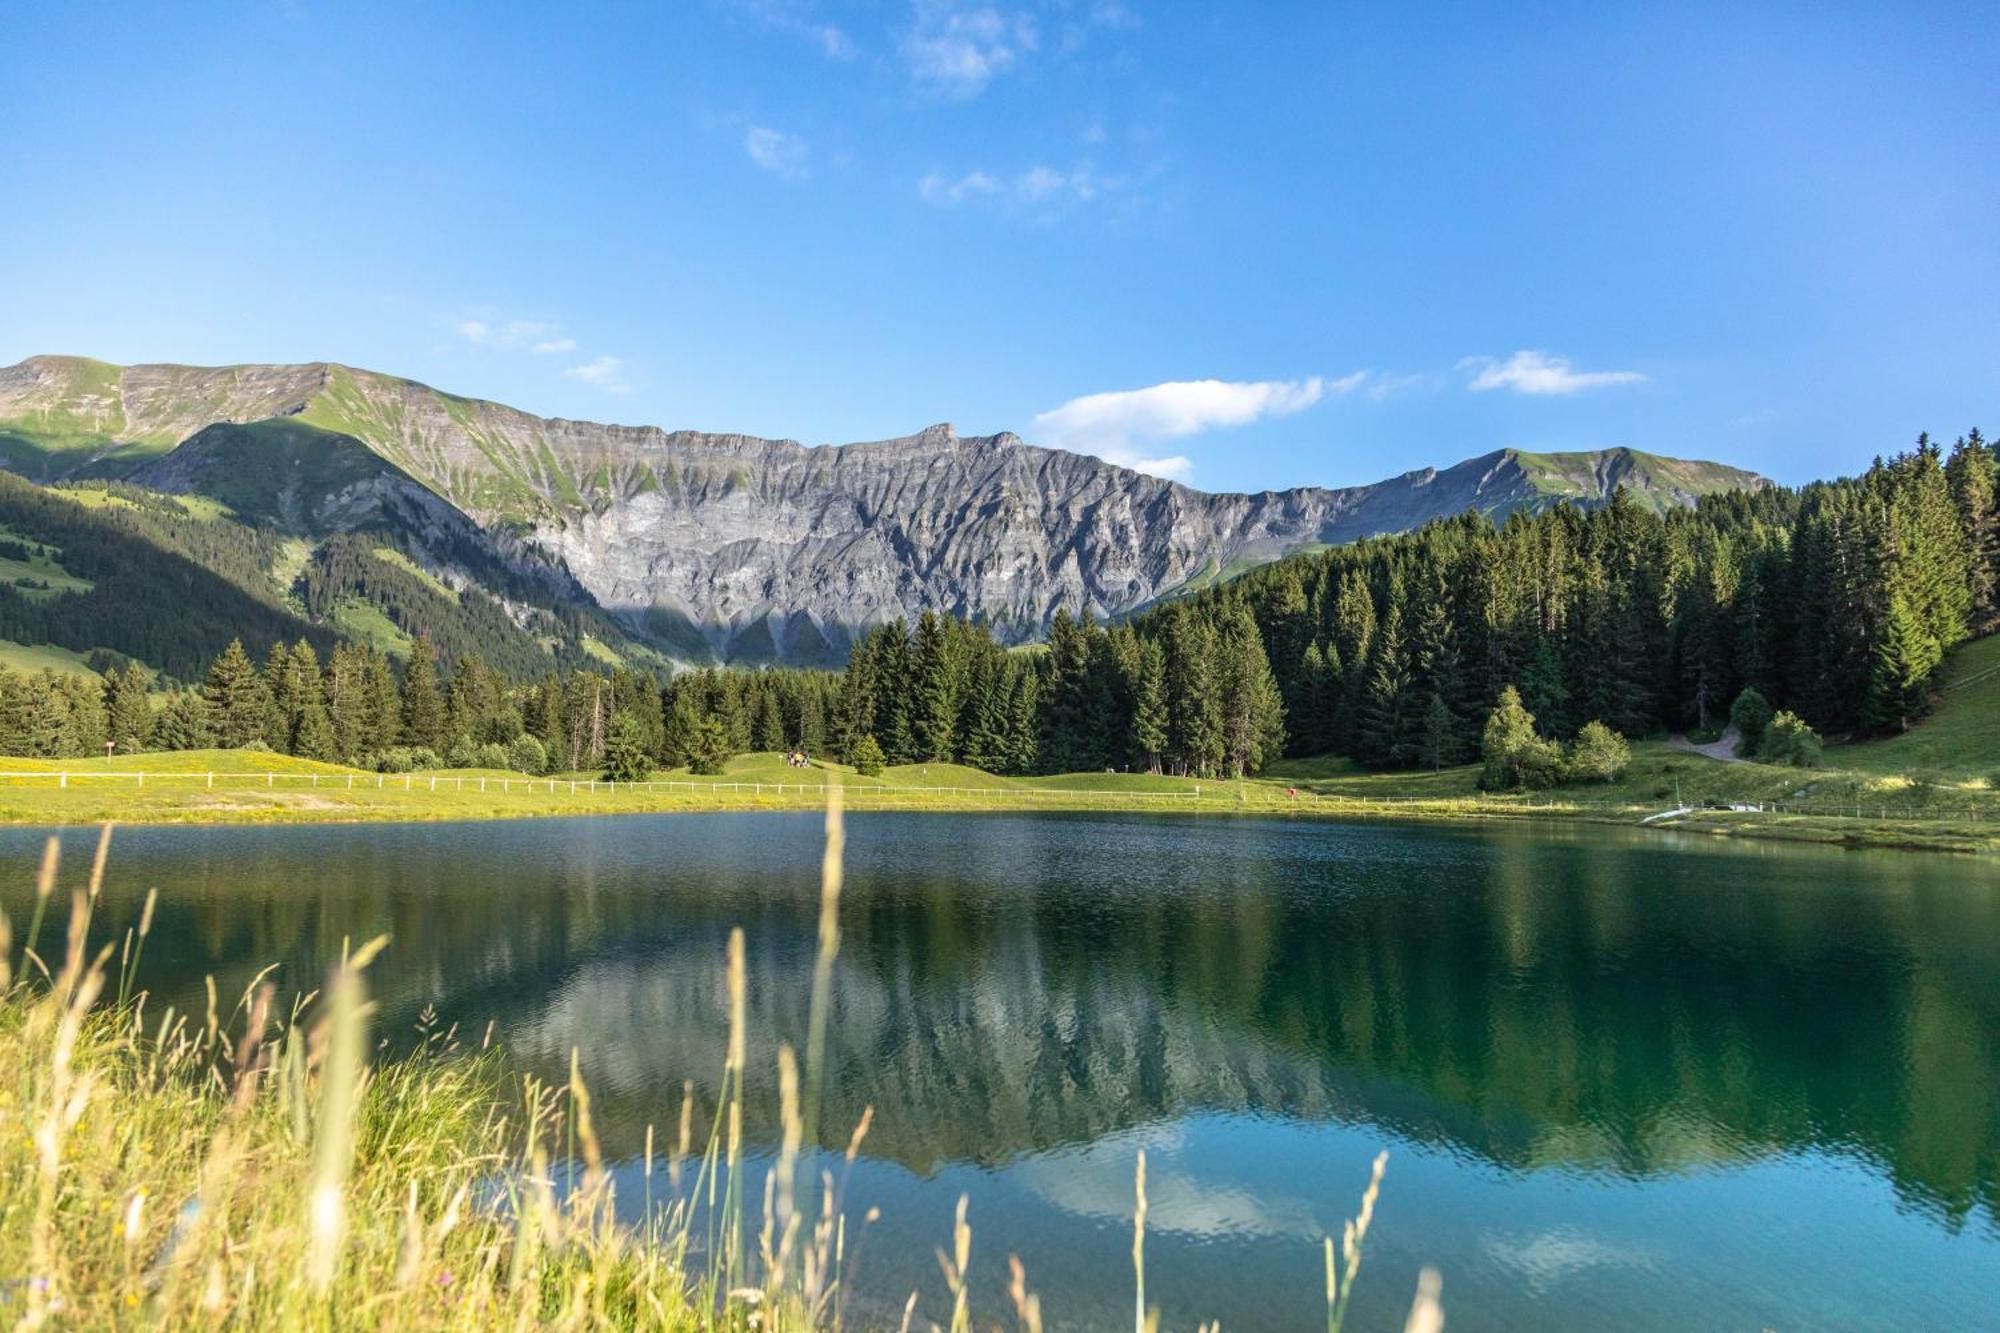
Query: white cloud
[[1757, 418], [958, 49], [1539, 373], [1041, 189], [513, 333], [795, 18], [1120, 426], [606, 373], [554, 345], [950, 191], [783, 155]]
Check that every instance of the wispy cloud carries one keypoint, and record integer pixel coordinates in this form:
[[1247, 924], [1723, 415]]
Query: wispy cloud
[[606, 373], [513, 334], [1539, 373], [797, 18], [1757, 418], [957, 49], [783, 155], [1123, 427], [1041, 189]]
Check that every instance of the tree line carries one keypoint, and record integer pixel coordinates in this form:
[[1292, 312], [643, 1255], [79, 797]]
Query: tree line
[[1830, 606]]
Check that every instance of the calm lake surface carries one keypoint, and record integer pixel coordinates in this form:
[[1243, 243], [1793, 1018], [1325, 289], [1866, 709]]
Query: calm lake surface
[[1629, 1081]]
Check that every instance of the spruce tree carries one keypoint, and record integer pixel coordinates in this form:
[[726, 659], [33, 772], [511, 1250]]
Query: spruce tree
[[423, 707], [128, 709], [935, 699], [1149, 708], [183, 724], [625, 755], [238, 704]]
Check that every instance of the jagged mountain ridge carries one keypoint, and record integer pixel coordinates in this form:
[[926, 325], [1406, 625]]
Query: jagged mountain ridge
[[747, 548]]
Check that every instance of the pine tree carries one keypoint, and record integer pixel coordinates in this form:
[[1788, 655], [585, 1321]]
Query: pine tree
[[279, 709], [312, 734], [935, 701], [710, 753], [625, 755], [1975, 486], [423, 708], [183, 724], [1149, 708], [1389, 718], [384, 706], [128, 711], [866, 756], [1440, 734], [348, 703], [238, 704], [1024, 723], [767, 730]]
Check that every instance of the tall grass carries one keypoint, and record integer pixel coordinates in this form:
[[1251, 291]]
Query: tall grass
[[250, 1166]]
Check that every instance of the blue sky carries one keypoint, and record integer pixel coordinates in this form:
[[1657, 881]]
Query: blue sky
[[1252, 245]]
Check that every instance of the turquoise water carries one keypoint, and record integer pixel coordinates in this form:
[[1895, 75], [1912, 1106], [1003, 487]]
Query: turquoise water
[[1625, 1080]]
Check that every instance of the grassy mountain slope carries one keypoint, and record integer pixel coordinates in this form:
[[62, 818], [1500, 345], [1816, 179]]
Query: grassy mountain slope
[[697, 545], [1959, 741]]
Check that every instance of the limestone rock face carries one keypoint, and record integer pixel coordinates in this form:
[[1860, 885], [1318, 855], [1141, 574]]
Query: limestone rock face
[[754, 549]]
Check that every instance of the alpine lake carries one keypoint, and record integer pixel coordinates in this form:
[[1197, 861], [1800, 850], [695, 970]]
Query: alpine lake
[[1629, 1080]]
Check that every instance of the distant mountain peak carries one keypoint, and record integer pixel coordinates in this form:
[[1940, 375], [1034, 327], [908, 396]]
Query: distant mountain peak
[[738, 545]]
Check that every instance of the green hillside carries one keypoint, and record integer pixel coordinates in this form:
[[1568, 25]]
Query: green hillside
[[1959, 741]]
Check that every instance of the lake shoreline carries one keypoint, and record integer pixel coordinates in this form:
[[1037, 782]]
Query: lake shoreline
[[79, 807]]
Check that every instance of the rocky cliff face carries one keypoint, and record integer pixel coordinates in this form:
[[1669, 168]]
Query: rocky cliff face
[[756, 549]]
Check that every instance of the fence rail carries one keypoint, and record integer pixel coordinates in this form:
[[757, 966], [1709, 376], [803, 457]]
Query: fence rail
[[1194, 797]]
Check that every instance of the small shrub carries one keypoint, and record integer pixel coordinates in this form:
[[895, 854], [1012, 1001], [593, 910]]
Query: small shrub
[[489, 755], [867, 757], [526, 754], [1751, 715], [1600, 755], [402, 759], [1788, 740]]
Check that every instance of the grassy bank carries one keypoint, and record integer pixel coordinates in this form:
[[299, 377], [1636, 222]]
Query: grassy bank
[[250, 1166], [1850, 806]]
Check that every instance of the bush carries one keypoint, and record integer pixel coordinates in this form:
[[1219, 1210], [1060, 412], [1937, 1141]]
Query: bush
[[867, 757], [490, 755], [1788, 740], [1750, 715], [1600, 754], [1515, 756], [402, 759], [461, 753], [525, 754]]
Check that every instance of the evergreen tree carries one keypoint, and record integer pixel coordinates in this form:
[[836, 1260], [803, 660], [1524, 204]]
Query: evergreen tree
[[128, 709], [183, 724], [935, 699], [1149, 709], [709, 756], [1440, 734], [238, 703], [423, 707], [625, 755], [866, 756]]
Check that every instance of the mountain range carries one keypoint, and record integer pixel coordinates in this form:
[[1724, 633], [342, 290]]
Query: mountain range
[[385, 502]]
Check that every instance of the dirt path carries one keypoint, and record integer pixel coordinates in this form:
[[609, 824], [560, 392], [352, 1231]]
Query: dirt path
[[1723, 748]]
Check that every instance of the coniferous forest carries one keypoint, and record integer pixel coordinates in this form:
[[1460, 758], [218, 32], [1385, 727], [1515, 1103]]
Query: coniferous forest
[[1835, 603]]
